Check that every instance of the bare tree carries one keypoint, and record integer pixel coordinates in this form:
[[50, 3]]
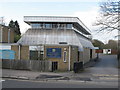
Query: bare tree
[[109, 16], [109, 19]]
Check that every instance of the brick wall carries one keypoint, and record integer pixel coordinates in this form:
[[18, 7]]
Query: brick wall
[[5, 31], [94, 55], [24, 52], [62, 66], [74, 55], [86, 55]]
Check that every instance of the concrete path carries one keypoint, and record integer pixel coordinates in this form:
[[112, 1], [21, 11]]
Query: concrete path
[[107, 66]]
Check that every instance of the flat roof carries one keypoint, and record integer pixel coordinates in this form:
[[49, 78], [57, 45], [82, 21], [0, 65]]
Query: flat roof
[[58, 19]]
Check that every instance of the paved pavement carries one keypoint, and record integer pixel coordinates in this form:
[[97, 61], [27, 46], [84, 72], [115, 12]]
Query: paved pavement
[[22, 74]]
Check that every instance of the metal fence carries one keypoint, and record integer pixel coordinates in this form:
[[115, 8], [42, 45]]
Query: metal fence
[[33, 65]]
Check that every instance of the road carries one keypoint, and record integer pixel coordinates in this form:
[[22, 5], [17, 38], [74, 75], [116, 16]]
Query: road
[[54, 84], [104, 74]]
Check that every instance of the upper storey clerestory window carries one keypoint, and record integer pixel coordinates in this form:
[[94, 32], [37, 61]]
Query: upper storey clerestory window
[[51, 26]]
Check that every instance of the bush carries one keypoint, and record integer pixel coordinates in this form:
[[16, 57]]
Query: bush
[[16, 38]]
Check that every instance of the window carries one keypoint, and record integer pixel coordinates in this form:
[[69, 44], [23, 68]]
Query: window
[[35, 25], [36, 52], [33, 55], [44, 25], [41, 25], [61, 26], [69, 26], [48, 26], [64, 56], [54, 26]]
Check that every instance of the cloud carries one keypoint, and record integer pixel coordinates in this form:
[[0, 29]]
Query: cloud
[[49, 0], [87, 17]]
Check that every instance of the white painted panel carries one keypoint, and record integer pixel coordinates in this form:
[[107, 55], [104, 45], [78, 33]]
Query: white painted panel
[[5, 47]]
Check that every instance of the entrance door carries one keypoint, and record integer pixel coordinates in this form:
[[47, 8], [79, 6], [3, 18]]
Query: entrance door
[[90, 53], [78, 55], [54, 66]]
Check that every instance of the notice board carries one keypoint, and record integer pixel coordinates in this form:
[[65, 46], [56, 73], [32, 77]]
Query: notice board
[[7, 54], [53, 52]]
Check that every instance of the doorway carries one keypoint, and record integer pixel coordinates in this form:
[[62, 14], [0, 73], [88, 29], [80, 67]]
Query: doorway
[[78, 55], [90, 53], [54, 66]]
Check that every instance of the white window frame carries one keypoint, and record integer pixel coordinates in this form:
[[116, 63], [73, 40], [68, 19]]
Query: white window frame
[[65, 56]]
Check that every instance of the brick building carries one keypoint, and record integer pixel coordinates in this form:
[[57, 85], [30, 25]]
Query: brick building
[[62, 40], [6, 39], [6, 34]]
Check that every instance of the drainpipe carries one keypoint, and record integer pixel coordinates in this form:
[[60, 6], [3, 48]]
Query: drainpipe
[[8, 35], [1, 34], [69, 58], [19, 49]]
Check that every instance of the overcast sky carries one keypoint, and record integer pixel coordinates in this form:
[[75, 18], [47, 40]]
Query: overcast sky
[[86, 10]]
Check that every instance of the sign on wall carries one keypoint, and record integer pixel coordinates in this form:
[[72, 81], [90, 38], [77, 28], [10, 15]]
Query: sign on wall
[[7, 54], [106, 51], [54, 52]]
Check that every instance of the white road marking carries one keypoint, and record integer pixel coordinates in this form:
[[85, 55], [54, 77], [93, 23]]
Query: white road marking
[[103, 78], [104, 75]]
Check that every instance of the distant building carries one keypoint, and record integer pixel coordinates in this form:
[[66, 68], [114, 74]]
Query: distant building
[[6, 39], [6, 34], [62, 40], [106, 51], [2, 22]]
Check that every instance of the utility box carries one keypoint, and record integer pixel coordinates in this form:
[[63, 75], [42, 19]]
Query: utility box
[[78, 66]]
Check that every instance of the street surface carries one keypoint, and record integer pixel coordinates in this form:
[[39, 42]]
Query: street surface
[[104, 74], [55, 84]]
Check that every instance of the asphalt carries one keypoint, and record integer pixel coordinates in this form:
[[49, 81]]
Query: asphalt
[[56, 84]]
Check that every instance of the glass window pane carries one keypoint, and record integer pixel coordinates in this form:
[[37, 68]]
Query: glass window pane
[[69, 26], [61, 26], [65, 56], [35, 25], [54, 26], [33, 55], [48, 26]]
